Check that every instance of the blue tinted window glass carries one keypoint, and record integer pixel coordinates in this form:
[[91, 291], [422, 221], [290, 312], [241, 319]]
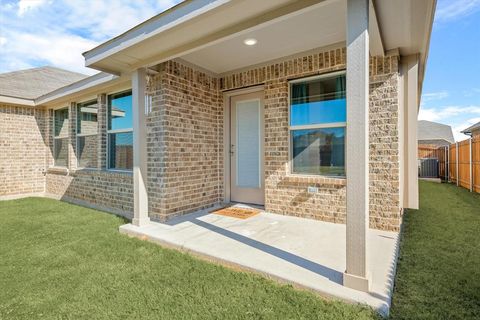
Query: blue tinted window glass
[[319, 151], [120, 111], [318, 101]]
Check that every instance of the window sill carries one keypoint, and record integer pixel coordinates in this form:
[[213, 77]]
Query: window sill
[[59, 170], [102, 171], [119, 171], [316, 179]]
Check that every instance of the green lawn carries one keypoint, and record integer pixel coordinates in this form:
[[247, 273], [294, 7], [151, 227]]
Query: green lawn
[[438, 274], [60, 261]]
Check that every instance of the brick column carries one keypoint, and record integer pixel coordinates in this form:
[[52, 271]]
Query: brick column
[[102, 131]]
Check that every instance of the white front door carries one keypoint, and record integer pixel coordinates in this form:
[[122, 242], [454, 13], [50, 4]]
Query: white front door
[[247, 177]]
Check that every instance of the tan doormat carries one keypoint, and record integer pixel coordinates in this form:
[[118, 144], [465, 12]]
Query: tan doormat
[[237, 212]]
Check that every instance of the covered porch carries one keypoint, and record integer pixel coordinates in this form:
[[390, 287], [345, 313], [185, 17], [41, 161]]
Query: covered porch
[[267, 45], [305, 253], [249, 58]]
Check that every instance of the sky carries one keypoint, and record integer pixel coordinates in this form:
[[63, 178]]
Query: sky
[[451, 89], [56, 32]]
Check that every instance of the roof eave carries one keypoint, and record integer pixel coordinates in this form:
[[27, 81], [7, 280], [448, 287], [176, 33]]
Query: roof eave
[[17, 101], [426, 50], [192, 9], [96, 81]]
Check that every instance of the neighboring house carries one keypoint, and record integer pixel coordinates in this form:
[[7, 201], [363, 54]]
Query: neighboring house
[[434, 134], [473, 131], [215, 101]]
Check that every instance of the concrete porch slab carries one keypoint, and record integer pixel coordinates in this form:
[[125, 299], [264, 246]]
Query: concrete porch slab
[[303, 252]]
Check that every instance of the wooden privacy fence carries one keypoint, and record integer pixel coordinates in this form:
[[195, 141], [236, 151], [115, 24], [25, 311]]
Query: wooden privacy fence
[[460, 163], [428, 151]]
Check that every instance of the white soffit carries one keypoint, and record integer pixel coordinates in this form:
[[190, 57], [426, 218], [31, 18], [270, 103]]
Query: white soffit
[[321, 26], [405, 24]]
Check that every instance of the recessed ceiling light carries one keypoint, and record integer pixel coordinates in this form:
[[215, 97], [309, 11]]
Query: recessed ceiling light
[[250, 41]]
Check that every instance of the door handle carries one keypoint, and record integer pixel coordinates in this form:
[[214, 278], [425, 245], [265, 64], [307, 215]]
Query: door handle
[[232, 151]]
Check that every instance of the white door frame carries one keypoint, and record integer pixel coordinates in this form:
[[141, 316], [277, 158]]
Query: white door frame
[[226, 134]]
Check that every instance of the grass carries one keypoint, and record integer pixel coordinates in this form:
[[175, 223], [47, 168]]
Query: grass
[[438, 273], [60, 261]]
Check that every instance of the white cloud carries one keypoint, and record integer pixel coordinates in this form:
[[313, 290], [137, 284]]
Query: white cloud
[[471, 92], [459, 117], [26, 5], [64, 53], [473, 120], [57, 32], [445, 113], [454, 9], [434, 96], [457, 134]]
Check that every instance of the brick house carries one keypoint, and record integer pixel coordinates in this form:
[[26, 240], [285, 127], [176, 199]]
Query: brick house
[[434, 134], [473, 130], [217, 101]]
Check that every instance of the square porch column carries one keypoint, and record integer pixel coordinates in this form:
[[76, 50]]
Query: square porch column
[[357, 145], [140, 196]]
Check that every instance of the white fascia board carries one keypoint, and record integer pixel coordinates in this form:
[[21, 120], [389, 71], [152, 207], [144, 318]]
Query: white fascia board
[[160, 23], [18, 101], [426, 49], [375, 34], [98, 79]]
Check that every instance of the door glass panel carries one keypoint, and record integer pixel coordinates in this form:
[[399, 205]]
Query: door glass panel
[[248, 144]]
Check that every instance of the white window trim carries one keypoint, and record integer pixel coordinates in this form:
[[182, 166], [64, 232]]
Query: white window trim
[[60, 137], [79, 135], [311, 126], [107, 118]]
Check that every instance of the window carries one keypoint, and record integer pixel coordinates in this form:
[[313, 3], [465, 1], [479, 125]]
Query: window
[[120, 131], [87, 129], [317, 126], [60, 137]]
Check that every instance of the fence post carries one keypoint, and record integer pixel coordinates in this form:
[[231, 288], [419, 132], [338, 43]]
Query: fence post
[[447, 162], [471, 165], [456, 164]]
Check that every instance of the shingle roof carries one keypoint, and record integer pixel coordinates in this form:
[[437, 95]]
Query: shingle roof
[[469, 130], [32, 83], [428, 130]]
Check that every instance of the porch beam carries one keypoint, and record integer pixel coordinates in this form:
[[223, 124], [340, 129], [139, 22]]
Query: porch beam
[[140, 196], [357, 145]]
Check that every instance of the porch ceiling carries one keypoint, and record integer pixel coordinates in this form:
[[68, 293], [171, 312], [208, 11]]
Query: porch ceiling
[[321, 26]]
